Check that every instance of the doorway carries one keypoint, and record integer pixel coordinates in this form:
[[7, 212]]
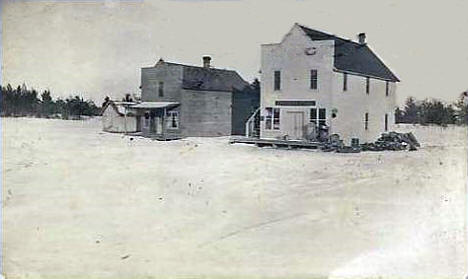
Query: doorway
[[295, 125]]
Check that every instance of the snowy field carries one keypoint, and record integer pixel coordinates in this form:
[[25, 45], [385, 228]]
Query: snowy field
[[80, 203]]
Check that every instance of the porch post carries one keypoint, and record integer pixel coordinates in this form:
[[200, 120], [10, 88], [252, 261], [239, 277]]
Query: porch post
[[163, 121], [125, 120]]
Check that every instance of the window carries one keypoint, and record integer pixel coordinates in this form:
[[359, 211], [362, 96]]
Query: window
[[161, 89], [268, 118], [322, 116], [277, 85], [147, 120], [319, 119], [272, 118], [367, 85], [276, 118], [386, 122], [345, 81], [386, 88], [172, 119], [366, 121], [313, 79]]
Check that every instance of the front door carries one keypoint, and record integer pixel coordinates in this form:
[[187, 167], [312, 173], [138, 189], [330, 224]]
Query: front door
[[159, 124], [295, 125]]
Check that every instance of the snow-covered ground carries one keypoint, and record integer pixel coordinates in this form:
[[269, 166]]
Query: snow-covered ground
[[81, 203]]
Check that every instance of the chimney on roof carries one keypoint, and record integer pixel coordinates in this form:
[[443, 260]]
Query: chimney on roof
[[160, 61], [206, 61], [362, 38]]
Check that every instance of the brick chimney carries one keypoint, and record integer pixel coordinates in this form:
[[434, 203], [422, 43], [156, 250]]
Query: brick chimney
[[206, 61], [362, 38]]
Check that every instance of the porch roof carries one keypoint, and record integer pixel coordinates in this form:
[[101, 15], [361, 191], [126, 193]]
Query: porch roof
[[155, 105]]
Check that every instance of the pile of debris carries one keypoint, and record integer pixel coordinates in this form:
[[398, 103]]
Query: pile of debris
[[387, 141], [393, 141]]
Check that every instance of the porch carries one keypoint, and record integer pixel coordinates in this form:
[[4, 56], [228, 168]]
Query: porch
[[277, 143], [158, 120]]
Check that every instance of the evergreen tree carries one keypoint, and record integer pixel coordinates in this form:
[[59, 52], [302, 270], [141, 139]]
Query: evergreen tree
[[461, 109], [399, 116], [411, 114]]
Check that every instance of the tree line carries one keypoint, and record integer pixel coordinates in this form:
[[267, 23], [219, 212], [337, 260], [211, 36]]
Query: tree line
[[433, 111], [27, 102]]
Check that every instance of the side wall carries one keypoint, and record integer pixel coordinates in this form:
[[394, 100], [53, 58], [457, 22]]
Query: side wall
[[354, 103], [205, 113], [171, 75], [113, 122], [244, 104]]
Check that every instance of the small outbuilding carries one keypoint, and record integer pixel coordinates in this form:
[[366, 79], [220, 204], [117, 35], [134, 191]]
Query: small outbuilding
[[118, 117]]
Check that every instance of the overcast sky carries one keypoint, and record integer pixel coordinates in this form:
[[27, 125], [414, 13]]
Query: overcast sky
[[96, 48]]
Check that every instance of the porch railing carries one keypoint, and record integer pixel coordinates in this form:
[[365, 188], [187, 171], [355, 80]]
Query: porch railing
[[252, 128]]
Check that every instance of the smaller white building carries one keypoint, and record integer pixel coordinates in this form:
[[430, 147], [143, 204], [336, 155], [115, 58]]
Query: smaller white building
[[117, 117]]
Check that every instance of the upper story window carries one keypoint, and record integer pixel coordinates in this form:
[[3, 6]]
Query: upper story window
[[345, 81], [387, 88], [366, 121], [161, 89], [313, 79], [367, 85], [277, 85]]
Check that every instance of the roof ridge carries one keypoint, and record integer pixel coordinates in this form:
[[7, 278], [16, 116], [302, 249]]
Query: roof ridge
[[200, 67], [353, 56], [326, 34]]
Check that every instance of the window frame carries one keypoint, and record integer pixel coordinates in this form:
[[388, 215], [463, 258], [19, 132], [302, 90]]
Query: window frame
[[172, 116], [146, 120], [276, 118], [313, 79], [345, 81], [316, 116], [272, 118], [386, 122], [367, 85], [277, 80], [366, 121], [268, 118], [161, 89], [387, 88]]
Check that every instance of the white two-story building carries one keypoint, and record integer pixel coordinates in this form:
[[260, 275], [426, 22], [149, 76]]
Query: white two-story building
[[312, 78]]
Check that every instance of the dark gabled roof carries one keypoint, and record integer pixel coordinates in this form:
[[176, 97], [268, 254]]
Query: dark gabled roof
[[210, 79], [354, 57]]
